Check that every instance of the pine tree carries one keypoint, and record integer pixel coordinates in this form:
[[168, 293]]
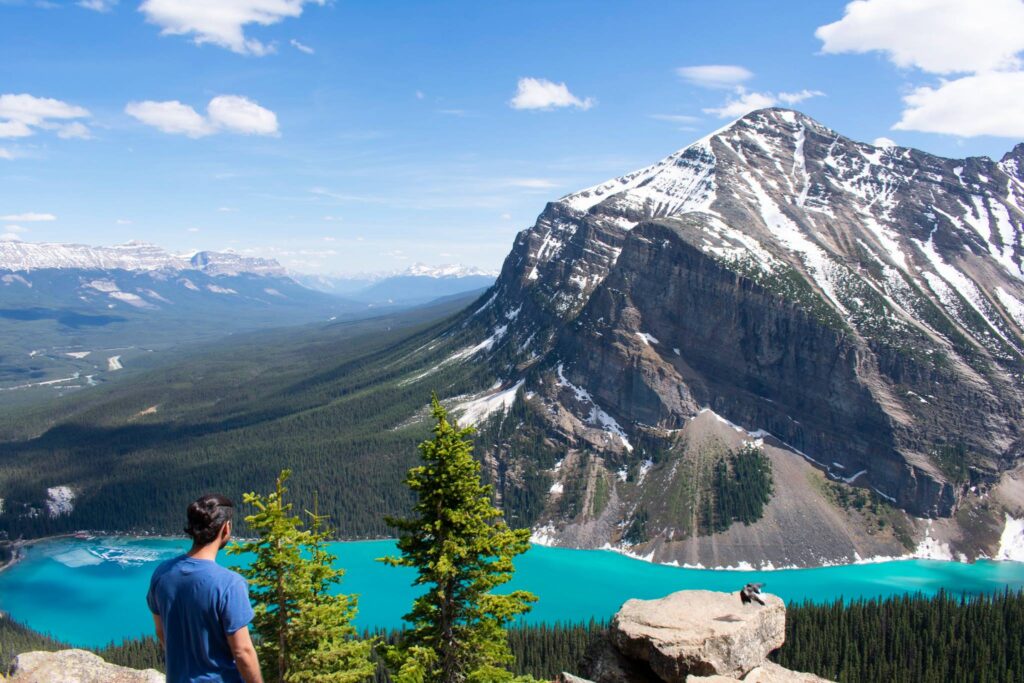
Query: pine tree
[[462, 550], [304, 632]]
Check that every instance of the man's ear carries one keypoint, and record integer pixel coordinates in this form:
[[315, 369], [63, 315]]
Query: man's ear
[[226, 530]]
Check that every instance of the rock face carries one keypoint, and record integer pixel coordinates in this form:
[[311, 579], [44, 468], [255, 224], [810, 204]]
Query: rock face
[[840, 300], [699, 632], [75, 666], [692, 636]]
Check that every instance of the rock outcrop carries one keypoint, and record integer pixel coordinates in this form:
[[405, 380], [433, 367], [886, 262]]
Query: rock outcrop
[[75, 666], [691, 637]]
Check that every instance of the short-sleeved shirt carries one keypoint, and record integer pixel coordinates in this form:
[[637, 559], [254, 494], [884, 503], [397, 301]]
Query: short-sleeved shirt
[[199, 603]]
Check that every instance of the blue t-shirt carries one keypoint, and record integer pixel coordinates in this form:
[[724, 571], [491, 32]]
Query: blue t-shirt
[[199, 603]]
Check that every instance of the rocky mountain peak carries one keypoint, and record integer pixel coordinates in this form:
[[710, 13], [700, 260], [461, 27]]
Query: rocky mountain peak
[[1012, 162], [846, 299]]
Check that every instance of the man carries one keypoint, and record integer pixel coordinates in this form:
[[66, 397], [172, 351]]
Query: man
[[201, 610]]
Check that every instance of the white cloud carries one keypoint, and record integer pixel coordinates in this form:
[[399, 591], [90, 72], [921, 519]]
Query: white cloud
[[97, 5], [540, 93], [22, 115], [715, 75], [9, 237], [532, 183], [15, 228], [884, 142], [192, 230], [506, 216], [222, 22], [124, 221], [170, 117], [224, 112], [676, 118], [420, 95], [227, 209], [301, 47], [241, 115], [744, 102], [29, 217], [938, 36], [6, 154], [983, 104], [792, 98], [981, 38], [75, 130]]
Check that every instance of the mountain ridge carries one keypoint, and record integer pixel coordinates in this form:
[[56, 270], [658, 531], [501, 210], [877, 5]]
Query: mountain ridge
[[134, 256]]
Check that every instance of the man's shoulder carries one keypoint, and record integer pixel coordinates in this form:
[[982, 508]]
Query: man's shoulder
[[166, 566], [225, 575]]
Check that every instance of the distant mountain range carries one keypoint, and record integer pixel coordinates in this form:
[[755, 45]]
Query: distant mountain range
[[133, 256], [416, 284], [69, 308]]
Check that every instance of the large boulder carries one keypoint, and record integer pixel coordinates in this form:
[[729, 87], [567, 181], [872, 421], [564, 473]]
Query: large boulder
[[75, 666], [699, 632]]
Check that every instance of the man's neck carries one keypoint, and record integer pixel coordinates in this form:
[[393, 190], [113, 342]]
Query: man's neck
[[205, 552]]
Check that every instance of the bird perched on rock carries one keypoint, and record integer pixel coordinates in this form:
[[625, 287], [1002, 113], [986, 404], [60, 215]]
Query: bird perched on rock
[[751, 593]]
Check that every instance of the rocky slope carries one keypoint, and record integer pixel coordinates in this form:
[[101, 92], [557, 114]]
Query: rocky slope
[[857, 313]]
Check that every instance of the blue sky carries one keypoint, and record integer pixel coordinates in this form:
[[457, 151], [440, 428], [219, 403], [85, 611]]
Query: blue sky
[[354, 136]]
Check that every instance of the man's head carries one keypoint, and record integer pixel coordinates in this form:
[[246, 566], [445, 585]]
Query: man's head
[[209, 520]]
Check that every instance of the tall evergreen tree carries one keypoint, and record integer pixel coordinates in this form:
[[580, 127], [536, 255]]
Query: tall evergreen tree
[[304, 632], [462, 550]]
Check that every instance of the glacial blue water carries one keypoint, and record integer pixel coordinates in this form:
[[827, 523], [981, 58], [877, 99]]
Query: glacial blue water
[[90, 592]]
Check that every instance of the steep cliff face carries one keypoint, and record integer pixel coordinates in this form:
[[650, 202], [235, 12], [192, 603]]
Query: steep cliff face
[[861, 308]]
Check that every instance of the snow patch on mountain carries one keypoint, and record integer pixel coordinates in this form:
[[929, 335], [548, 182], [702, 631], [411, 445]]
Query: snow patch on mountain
[[1011, 543], [59, 501], [477, 410]]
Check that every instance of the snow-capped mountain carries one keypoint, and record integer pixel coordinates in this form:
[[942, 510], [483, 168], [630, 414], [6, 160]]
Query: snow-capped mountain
[[59, 303], [861, 307], [450, 270], [133, 257], [416, 284]]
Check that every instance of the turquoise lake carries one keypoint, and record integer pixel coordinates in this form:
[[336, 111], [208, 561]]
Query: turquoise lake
[[90, 592]]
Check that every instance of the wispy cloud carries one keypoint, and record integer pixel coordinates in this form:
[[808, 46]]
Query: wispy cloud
[[715, 75], [29, 217], [540, 93], [744, 102], [532, 183], [97, 5], [302, 47]]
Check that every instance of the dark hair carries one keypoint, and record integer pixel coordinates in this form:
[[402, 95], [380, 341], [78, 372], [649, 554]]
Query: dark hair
[[207, 516]]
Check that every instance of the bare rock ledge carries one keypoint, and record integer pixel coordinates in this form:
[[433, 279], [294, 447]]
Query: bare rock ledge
[[692, 637], [75, 666]]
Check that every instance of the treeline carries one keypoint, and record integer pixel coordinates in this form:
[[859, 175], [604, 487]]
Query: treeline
[[344, 411], [541, 651], [901, 639], [909, 639]]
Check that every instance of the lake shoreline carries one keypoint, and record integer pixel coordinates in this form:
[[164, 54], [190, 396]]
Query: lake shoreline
[[19, 546]]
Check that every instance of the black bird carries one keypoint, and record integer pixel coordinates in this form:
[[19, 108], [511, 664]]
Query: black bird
[[751, 593]]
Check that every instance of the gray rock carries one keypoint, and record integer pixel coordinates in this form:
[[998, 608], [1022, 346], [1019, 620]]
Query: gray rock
[[699, 632], [75, 666]]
